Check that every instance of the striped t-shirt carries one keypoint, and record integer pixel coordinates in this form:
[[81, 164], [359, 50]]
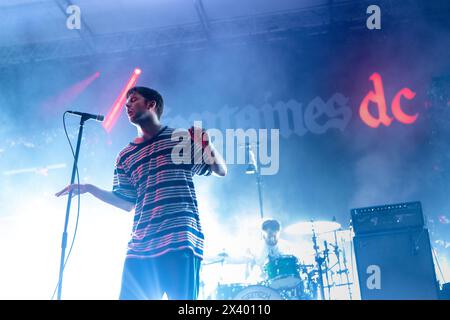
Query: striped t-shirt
[[166, 214]]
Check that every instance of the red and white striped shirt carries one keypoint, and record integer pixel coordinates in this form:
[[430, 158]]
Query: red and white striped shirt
[[166, 214]]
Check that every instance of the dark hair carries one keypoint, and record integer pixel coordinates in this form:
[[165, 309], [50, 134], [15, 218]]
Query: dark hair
[[271, 224], [150, 95]]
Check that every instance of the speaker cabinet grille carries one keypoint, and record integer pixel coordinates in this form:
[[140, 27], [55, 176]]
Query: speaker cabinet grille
[[396, 265]]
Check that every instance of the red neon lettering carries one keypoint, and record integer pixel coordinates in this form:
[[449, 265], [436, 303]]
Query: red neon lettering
[[397, 108], [378, 98]]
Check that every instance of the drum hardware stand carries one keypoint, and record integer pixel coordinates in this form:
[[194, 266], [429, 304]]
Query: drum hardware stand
[[323, 265], [337, 254], [319, 261], [346, 271], [327, 269], [341, 270], [221, 260]]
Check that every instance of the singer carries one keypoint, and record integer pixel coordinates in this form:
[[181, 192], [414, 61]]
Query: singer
[[166, 246]]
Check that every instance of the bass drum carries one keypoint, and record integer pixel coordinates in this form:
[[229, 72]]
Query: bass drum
[[257, 292]]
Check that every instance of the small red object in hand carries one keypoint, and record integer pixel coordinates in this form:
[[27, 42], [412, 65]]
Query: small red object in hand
[[203, 136]]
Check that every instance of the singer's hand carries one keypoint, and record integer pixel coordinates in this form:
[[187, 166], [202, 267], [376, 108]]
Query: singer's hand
[[199, 136], [82, 188], [209, 154]]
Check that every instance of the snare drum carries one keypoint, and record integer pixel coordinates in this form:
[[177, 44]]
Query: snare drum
[[283, 272]]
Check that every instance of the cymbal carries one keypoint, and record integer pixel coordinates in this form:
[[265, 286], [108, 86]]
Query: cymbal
[[215, 258], [224, 258], [342, 235], [307, 227]]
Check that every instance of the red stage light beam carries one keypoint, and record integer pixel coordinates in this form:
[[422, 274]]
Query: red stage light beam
[[116, 108], [69, 94]]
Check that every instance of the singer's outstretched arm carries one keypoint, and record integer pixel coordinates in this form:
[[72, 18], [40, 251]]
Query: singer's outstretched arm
[[104, 195]]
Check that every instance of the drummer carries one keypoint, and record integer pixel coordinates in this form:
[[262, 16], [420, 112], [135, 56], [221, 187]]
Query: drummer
[[272, 248]]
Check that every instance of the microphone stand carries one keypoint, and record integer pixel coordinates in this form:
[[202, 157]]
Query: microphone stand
[[254, 163], [259, 183], [69, 202], [327, 268]]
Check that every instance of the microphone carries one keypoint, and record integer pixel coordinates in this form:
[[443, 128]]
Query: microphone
[[87, 116]]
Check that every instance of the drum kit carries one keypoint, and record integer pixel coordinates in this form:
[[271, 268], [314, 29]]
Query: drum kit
[[285, 277]]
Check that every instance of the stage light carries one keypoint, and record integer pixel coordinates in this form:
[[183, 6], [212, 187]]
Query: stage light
[[113, 115]]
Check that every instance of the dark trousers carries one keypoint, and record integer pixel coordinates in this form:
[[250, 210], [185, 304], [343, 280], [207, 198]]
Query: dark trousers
[[175, 273]]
